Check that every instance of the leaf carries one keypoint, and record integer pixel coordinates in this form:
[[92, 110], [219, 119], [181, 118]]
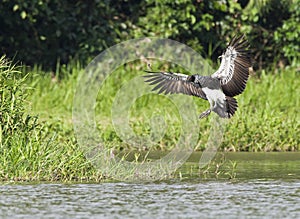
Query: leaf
[[23, 15], [16, 7], [193, 19]]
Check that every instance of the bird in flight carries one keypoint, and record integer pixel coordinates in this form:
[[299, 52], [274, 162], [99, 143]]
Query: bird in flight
[[219, 88]]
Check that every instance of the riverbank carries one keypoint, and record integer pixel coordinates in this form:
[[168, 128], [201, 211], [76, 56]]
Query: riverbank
[[38, 140]]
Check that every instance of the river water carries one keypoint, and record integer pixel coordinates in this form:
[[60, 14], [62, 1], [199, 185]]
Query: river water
[[263, 188]]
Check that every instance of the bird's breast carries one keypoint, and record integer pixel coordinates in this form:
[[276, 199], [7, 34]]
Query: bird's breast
[[215, 95]]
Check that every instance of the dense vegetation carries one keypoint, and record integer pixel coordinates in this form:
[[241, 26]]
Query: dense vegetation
[[45, 147], [55, 39], [47, 32]]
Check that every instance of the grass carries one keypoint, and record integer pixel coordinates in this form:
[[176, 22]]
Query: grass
[[37, 138], [267, 118]]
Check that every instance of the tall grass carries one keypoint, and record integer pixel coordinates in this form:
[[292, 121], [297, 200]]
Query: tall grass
[[269, 115], [267, 118], [33, 149]]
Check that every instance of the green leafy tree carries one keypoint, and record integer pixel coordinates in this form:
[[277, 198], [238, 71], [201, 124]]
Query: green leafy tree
[[47, 32]]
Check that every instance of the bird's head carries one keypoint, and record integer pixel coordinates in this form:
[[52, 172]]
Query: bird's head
[[191, 78]]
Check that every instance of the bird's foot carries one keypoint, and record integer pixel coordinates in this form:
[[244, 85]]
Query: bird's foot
[[205, 114]]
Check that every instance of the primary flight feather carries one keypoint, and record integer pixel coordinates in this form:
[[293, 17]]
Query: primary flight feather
[[219, 88]]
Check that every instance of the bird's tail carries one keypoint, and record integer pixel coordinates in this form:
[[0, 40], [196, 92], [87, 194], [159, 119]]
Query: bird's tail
[[226, 110], [231, 106]]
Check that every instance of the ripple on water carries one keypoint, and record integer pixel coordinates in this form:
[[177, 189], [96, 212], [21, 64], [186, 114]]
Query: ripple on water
[[189, 199]]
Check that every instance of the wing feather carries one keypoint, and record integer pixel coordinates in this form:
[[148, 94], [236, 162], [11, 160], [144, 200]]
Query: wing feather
[[170, 83], [233, 72]]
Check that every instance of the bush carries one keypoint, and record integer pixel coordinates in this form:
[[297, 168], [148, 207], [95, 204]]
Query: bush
[[19, 132], [44, 32], [287, 36], [14, 122], [47, 32], [269, 24], [30, 149]]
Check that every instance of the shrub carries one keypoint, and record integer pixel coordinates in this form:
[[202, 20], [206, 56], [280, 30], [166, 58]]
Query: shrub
[[14, 121], [44, 32], [47, 32], [287, 36]]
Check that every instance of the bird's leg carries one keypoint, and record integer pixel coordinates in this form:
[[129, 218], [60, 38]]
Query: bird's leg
[[205, 114]]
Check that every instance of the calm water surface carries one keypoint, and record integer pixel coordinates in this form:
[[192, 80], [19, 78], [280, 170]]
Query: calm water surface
[[260, 195]]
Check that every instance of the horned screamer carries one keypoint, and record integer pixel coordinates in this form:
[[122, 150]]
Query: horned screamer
[[219, 88]]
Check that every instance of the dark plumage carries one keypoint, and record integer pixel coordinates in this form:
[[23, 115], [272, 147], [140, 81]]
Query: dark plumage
[[219, 88]]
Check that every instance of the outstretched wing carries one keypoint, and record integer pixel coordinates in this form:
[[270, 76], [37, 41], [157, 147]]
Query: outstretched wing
[[233, 72], [169, 83]]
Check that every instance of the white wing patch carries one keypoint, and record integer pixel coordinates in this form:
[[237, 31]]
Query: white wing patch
[[233, 72], [226, 69], [180, 76]]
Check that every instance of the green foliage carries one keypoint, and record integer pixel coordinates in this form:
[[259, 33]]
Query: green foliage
[[47, 32], [267, 118], [288, 35], [200, 24], [268, 36], [46, 149], [17, 128], [13, 118], [31, 149]]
